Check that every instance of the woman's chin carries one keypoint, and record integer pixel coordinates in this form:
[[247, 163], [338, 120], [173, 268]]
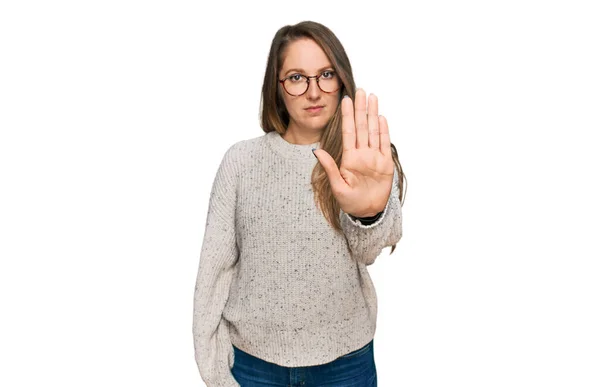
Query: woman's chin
[[317, 124]]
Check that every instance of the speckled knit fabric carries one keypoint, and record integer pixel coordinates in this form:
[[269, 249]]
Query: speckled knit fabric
[[275, 279]]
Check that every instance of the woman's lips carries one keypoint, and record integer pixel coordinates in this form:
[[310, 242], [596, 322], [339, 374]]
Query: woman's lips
[[314, 109]]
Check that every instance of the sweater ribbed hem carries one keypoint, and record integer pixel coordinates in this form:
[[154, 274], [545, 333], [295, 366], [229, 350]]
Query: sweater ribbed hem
[[322, 345]]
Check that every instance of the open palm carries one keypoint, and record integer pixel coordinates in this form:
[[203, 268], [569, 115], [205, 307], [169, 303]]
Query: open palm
[[363, 183]]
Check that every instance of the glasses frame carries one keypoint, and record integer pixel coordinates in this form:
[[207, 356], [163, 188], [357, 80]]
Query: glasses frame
[[282, 81]]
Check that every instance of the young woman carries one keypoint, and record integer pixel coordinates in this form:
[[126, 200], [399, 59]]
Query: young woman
[[283, 296]]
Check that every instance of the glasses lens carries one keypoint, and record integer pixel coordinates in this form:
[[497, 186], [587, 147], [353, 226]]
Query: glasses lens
[[329, 82], [296, 84]]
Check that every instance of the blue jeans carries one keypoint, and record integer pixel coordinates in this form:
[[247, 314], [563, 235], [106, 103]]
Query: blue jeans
[[355, 369]]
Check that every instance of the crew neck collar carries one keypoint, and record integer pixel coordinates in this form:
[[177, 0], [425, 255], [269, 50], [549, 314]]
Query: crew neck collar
[[292, 151]]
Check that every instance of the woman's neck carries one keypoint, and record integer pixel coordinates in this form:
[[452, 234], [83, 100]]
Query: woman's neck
[[299, 137]]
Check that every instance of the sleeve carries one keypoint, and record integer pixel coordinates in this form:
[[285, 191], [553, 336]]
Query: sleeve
[[218, 258], [367, 240]]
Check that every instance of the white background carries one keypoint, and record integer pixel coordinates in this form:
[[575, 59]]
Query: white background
[[114, 116]]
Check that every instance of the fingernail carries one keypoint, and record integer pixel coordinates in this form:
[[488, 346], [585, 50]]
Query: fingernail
[[346, 96], [313, 151]]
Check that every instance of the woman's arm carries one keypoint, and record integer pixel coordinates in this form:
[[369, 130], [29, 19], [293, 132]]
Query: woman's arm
[[366, 241], [218, 259]]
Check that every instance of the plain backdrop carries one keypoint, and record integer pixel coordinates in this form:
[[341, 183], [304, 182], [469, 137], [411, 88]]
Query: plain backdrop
[[115, 115]]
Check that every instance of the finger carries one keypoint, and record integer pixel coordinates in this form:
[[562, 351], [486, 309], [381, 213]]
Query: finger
[[348, 130], [373, 120], [360, 117], [337, 182], [384, 137]]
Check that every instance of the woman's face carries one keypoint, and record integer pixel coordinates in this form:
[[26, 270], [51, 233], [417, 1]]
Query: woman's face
[[305, 57]]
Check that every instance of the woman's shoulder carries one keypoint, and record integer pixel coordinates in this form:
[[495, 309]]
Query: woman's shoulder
[[243, 152], [246, 147]]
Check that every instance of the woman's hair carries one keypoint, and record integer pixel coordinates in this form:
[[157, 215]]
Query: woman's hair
[[274, 115]]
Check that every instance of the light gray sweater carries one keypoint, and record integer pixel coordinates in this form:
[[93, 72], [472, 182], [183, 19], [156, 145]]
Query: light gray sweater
[[275, 279]]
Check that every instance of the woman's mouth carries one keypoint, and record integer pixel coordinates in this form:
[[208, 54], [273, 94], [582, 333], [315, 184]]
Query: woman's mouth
[[314, 109]]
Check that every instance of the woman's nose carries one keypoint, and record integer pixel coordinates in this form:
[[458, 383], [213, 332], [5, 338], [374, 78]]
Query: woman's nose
[[313, 89]]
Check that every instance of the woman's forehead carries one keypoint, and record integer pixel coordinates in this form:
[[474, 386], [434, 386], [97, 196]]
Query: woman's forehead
[[304, 55]]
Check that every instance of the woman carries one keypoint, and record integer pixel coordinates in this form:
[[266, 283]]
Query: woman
[[283, 296]]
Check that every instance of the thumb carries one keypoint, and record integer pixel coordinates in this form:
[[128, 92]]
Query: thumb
[[331, 169]]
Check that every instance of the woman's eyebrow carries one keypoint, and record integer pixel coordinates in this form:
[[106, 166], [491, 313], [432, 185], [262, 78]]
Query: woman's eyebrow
[[302, 71]]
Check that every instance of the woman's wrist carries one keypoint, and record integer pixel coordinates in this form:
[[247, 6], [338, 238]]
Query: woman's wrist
[[367, 219]]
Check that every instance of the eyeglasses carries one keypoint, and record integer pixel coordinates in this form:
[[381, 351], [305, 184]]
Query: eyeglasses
[[297, 84]]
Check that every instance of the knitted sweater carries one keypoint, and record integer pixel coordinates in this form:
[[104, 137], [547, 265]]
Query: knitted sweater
[[275, 279]]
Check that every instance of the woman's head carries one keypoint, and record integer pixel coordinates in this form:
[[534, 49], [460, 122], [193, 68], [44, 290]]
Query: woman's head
[[304, 49], [308, 79]]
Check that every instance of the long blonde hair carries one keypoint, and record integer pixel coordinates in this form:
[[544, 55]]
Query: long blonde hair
[[274, 115]]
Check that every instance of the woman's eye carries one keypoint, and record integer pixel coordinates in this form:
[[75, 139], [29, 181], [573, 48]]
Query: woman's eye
[[327, 74], [296, 77]]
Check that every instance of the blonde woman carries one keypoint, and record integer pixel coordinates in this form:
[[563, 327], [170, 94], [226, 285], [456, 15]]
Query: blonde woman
[[283, 296]]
